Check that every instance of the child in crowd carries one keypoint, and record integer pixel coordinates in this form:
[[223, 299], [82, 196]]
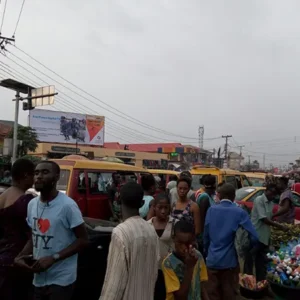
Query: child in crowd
[[163, 224], [184, 269]]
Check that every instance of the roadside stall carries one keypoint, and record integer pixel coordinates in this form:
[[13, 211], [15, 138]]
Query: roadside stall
[[284, 263]]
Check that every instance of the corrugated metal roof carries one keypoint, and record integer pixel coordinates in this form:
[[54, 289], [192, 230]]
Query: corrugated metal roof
[[113, 145]]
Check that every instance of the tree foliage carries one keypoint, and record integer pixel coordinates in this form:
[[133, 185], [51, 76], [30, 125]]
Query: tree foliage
[[34, 159], [28, 136]]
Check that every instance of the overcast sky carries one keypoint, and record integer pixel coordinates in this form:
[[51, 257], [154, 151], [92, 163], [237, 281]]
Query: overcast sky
[[232, 66]]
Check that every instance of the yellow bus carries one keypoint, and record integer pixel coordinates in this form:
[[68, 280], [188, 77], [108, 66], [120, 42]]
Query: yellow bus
[[236, 178]]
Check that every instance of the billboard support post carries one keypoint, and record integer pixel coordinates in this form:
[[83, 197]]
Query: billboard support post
[[40, 96], [15, 136]]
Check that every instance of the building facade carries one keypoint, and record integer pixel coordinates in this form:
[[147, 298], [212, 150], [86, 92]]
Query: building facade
[[140, 159], [179, 156]]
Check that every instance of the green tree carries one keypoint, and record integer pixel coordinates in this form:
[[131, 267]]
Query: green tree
[[28, 136]]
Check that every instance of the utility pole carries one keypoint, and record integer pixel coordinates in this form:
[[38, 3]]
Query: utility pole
[[264, 161], [226, 137], [35, 97], [201, 136], [15, 136], [249, 162]]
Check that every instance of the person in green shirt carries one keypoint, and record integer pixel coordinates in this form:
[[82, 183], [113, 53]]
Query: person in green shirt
[[261, 217]]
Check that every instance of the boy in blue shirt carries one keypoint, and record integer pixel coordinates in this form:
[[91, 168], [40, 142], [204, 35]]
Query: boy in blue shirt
[[221, 223]]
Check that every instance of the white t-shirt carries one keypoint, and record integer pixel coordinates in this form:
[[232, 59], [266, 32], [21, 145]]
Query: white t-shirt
[[171, 185]]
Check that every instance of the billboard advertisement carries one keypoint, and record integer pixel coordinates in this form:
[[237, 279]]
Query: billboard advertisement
[[64, 127]]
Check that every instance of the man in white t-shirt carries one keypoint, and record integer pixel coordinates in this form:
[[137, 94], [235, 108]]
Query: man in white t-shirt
[[172, 183]]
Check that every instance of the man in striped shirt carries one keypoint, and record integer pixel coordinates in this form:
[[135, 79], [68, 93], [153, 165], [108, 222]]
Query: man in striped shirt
[[133, 253]]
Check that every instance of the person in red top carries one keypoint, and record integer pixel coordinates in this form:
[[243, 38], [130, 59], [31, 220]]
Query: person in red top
[[296, 185]]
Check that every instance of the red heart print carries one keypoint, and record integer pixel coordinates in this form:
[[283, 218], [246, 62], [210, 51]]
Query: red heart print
[[43, 225]]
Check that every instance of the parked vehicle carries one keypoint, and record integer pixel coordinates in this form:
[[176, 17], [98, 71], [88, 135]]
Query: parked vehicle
[[246, 196], [236, 178], [88, 181], [163, 174], [256, 178], [92, 261]]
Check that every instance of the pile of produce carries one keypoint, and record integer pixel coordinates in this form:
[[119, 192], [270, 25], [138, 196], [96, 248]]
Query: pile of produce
[[284, 265], [249, 282], [279, 237]]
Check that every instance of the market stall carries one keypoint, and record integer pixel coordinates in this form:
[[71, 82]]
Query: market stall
[[284, 263]]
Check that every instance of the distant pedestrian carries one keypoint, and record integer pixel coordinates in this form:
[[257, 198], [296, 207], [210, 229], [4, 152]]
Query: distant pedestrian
[[113, 192], [15, 231], [222, 221], [296, 186], [172, 183], [133, 252], [58, 234], [163, 224], [184, 269]]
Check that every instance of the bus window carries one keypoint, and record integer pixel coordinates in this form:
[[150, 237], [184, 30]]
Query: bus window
[[231, 180]]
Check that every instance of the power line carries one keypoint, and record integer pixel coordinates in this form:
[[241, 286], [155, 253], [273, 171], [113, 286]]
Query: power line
[[121, 114], [21, 75], [118, 137], [61, 92], [19, 18], [272, 154], [271, 140], [68, 104], [3, 16], [76, 107], [122, 131], [111, 126]]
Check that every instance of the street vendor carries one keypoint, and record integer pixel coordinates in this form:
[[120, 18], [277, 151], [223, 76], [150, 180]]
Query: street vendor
[[286, 211], [261, 217]]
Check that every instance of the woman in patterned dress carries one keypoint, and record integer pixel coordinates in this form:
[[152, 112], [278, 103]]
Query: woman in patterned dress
[[184, 208]]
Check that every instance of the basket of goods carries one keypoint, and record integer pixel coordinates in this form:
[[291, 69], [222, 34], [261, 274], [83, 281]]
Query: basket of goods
[[251, 289], [284, 270], [279, 237]]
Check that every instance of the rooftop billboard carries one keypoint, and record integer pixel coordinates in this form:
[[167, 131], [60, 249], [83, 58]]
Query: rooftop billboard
[[68, 128]]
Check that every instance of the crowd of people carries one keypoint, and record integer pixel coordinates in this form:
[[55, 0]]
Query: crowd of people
[[196, 232], [170, 243]]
